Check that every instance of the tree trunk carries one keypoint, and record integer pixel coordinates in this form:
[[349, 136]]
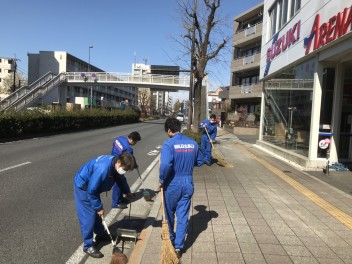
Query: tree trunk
[[197, 104]]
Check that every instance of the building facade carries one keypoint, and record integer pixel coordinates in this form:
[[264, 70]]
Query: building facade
[[245, 89], [306, 66], [7, 81], [61, 61], [160, 102]]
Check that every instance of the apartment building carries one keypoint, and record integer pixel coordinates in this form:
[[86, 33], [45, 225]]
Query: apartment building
[[245, 89], [306, 67]]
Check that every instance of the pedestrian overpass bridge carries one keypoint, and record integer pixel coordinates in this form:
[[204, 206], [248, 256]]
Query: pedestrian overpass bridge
[[29, 95]]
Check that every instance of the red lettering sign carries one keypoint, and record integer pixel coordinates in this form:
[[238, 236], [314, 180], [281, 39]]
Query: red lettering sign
[[336, 27], [281, 44]]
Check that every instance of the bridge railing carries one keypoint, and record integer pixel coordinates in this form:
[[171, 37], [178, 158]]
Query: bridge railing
[[127, 78]]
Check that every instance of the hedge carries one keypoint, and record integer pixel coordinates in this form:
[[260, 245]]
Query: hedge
[[24, 123]]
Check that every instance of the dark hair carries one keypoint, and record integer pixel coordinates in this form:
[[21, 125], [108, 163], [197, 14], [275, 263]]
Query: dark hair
[[173, 124], [127, 161], [212, 116], [135, 136]]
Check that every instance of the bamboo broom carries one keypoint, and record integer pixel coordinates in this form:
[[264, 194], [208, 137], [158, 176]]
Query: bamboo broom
[[168, 254], [217, 154]]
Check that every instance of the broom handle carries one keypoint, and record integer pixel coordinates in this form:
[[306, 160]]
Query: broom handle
[[162, 202], [211, 142]]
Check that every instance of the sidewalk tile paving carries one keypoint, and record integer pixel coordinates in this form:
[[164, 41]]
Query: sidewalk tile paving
[[256, 213]]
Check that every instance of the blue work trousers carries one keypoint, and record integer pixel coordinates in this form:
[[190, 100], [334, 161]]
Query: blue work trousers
[[89, 220], [178, 195], [118, 189], [205, 148]]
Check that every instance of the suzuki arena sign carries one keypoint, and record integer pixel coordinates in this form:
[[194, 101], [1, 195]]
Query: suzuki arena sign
[[321, 34]]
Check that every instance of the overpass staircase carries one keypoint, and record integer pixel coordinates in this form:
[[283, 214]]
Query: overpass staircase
[[29, 95]]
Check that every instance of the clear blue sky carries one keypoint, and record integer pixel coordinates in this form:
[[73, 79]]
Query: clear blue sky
[[121, 32]]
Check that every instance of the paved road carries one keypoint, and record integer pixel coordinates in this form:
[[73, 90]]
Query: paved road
[[38, 221]]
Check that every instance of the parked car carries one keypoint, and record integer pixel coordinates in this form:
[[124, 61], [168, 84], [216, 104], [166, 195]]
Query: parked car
[[181, 117]]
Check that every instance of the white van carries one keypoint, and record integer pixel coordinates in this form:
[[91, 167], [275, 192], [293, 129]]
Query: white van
[[180, 117]]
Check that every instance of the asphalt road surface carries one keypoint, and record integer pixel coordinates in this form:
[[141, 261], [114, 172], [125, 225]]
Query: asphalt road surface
[[38, 222]]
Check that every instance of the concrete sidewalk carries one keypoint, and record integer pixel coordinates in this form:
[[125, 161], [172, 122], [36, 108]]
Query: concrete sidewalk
[[262, 210]]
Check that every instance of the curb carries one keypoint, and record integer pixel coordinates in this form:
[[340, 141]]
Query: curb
[[139, 249]]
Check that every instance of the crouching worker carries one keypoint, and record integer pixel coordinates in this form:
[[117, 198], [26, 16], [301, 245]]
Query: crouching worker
[[97, 176], [120, 145]]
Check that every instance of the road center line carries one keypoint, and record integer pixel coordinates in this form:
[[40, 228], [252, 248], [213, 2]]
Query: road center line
[[329, 208], [15, 166]]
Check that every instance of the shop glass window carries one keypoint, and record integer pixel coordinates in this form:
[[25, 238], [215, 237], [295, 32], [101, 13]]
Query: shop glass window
[[280, 13], [284, 12], [273, 18], [287, 109], [295, 6]]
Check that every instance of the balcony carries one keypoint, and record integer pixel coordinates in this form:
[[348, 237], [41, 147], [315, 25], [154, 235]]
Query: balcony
[[248, 35], [246, 63], [246, 91]]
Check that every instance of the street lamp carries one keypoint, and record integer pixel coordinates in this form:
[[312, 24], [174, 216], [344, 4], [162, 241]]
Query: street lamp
[[91, 88]]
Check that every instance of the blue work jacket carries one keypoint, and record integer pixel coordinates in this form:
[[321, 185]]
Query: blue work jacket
[[96, 176], [120, 145], [179, 155], [212, 128]]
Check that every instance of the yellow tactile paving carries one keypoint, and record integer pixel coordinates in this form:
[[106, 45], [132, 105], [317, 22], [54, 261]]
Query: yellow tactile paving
[[329, 208]]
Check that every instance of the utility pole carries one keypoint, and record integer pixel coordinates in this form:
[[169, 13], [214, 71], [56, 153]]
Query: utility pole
[[14, 69], [190, 97], [91, 88]]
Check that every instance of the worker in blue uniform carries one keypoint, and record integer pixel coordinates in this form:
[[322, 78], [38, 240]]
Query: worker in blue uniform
[[97, 176], [179, 155], [120, 145], [205, 145]]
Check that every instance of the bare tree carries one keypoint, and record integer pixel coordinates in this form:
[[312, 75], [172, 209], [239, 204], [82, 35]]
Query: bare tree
[[201, 24], [177, 106], [144, 99], [7, 86]]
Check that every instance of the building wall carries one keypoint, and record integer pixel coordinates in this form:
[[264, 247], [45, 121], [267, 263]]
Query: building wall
[[61, 61], [5, 68], [300, 25], [303, 67]]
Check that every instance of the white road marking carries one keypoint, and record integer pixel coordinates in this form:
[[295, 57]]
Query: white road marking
[[15, 166], [153, 152]]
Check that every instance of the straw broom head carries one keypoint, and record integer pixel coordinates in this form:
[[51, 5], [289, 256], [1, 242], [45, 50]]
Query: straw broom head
[[221, 161], [168, 254], [216, 153]]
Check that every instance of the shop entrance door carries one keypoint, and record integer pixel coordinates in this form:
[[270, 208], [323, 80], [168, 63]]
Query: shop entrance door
[[345, 142]]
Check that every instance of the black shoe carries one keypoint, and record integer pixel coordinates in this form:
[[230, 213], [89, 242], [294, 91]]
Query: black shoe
[[178, 252], [125, 200], [93, 252], [120, 206], [102, 238]]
